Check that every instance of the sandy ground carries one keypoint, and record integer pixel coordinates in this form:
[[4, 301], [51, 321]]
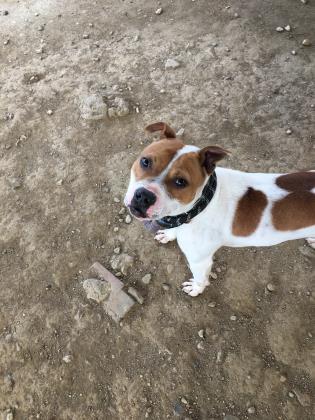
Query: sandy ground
[[238, 85]]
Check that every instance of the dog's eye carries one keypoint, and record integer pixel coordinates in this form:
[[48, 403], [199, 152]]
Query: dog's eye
[[180, 182], [145, 163]]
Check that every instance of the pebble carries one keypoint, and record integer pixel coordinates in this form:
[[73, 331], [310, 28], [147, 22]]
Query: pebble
[[67, 358], [117, 250], [116, 200], [92, 107], [86, 36], [159, 11], [9, 415], [116, 229], [180, 132], [270, 287], [41, 28], [200, 346], [122, 210], [279, 29], [179, 410], [6, 42], [236, 15], [212, 304], [306, 42], [147, 278], [119, 107], [49, 112], [136, 38], [134, 293], [96, 289], [60, 182], [251, 410], [291, 395], [287, 28], [283, 378], [165, 286], [214, 276], [171, 64], [233, 317], [304, 1], [289, 131], [293, 52], [201, 333], [128, 219]]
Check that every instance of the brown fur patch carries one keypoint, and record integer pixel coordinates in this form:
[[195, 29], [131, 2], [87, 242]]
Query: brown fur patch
[[161, 153], [249, 212], [187, 166], [166, 130], [298, 181], [294, 211]]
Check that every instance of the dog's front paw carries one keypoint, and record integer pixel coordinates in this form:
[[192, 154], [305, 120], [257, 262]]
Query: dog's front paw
[[192, 288], [163, 237]]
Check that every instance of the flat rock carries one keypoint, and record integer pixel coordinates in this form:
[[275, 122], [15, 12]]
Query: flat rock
[[92, 107], [97, 290], [171, 64]]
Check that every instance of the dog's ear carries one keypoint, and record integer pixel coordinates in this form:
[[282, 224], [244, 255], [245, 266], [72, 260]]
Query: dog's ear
[[166, 131], [210, 155]]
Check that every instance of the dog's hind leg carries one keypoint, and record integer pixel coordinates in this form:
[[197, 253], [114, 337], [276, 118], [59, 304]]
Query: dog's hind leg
[[311, 242]]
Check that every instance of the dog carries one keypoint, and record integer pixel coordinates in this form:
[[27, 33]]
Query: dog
[[180, 189]]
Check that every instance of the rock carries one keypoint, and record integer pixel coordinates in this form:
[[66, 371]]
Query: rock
[[270, 287], [289, 131], [128, 219], [59, 182], [9, 415], [159, 11], [116, 200], [212, 304], [119, 107], [117, 250], [287, 28], [147, 278], [41, 28], [306, 42], [200, 346], [171, 64], [236, 15], [180, 132], [116, 229], [134, 293], [233, 318], [279, 29], [201, 333], [251, 410], [86, 36], [122, 263], [293, 52], [283, 379], [9, 382], [179, 409], [92, 107], [97, 290], [291, 395], [214, 276], [67, 358], [165, 286], [122, 210], [304, 1], [49, 112]]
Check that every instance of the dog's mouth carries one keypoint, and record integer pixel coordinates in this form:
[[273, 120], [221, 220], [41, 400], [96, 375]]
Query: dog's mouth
[[137, 212]]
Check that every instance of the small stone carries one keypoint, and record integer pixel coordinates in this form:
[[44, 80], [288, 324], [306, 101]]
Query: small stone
[[119, 107], [128, 219], [236, 15], [180, 132], [293, 52], [291, 395], [304, 1], [219, 356], [147, 278], [214, 276], [212, 304], [251, 410], [92, 107], [122, 210], [116, 200], [6, 42], [67, 358], [279, 29], [9, 415], [283, 379], [134, 293], [200, 346], [136, 38], [287, 28], [165, 286], [184, 401], [289, 131], [116, 229], [49, 112], [159, 11], [179, 410], [233, 318], [271, 287], [60, 182], [306, 42], [97, 290], [171, 64], [201, 333], [41, 28], [86, 36]]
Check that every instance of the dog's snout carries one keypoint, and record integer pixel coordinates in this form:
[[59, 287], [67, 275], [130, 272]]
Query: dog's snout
[[144, 198], [141, 201]]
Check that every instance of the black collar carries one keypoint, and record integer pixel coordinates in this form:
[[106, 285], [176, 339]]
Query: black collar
[[207, 194]]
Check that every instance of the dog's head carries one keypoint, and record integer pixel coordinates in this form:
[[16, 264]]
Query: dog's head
[[168, 176]]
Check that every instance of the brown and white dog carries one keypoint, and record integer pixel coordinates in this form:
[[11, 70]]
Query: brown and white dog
[[205, 208]]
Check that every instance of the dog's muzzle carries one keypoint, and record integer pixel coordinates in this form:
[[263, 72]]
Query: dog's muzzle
[[141, 201]]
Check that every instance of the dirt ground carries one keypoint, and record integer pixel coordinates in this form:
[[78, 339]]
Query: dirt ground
[[238, 85]]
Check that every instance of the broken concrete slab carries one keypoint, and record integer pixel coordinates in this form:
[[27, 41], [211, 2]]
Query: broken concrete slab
[[118, 302]]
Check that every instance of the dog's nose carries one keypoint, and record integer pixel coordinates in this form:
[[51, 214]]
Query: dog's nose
[[142, 200]]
